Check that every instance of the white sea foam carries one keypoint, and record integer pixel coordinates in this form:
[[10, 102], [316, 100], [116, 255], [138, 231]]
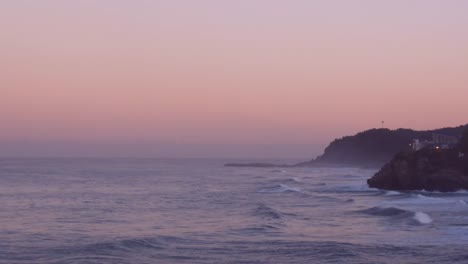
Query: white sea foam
[[285, 188], [426, 199], [279, 189], [296, 179], [422, 218]]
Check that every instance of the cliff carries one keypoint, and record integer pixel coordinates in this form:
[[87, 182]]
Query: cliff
[[427, 169]]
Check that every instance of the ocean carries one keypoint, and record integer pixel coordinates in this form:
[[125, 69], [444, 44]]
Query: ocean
[[197, 211]]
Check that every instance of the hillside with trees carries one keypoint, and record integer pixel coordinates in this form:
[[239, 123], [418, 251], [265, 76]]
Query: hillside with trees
[[375, 147]]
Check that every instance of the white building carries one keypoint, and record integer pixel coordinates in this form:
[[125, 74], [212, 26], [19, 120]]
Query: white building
[[439, 141]]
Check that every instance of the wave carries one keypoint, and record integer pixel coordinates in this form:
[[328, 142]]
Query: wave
[[423, 199], [265, 211], [429, 199], [422, 218], [279, 171], [294, 180], [123, 245], [252, 250], [138, 250], [459, 192], [387, 211], [418, 199], [360, 188], [398, 213], [255, 230], [329, 199], [280, 188], [391, 193]]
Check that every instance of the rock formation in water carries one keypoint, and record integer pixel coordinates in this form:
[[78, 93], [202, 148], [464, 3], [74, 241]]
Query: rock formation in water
[[428, 169]]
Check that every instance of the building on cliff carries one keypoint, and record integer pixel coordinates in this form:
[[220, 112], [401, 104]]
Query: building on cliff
[[439, 141], [418, 144], [444, 141]]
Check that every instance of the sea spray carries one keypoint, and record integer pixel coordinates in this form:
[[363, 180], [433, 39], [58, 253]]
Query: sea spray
[[422, 218]]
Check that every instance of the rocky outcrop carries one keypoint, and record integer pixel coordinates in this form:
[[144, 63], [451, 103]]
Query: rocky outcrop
[[427, 169]]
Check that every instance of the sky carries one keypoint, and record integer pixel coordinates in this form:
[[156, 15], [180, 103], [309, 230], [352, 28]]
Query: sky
[[221, 78]]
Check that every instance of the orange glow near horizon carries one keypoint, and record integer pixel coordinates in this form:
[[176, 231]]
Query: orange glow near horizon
[[229, 71]]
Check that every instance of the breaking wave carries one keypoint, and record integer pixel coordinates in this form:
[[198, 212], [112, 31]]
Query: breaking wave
[[280, 188], [427, 198], [398, 213], [265, 211], [391, 193], [294, 179], [422, 218], [387, 211]]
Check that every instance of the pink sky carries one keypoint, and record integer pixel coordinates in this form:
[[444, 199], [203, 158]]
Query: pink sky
[[229, 72]]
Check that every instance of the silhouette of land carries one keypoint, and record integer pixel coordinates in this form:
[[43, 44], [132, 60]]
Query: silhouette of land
[[370, 148]]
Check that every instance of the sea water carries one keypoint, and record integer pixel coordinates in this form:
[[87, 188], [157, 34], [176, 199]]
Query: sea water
[[197, 211]]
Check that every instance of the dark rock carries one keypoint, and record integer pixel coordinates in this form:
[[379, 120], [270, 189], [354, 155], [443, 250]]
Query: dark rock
[[427, 169]]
